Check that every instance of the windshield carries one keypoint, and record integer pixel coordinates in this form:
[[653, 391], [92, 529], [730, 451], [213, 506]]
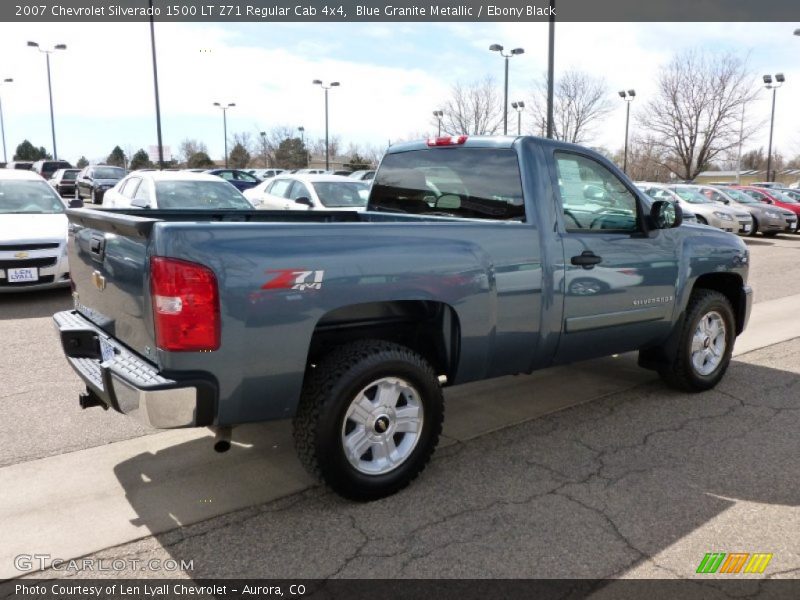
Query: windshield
[[782, 197], [342, 194], [199, 194], [109, 173], [28, 197], [740, 196], [692, 196]]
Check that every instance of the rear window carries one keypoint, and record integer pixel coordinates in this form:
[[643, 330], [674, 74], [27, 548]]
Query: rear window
[[199, 195], [472, 183]]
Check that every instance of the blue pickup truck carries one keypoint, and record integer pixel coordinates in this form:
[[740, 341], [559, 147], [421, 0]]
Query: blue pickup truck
[[477, 257]]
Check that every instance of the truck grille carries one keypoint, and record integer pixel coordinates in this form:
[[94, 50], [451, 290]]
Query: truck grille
[[17, 247], [47, 261]]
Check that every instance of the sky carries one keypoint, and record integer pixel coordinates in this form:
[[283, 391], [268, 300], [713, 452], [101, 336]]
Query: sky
[[393, 75]]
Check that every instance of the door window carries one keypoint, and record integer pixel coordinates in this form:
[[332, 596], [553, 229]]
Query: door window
[[592, 197], [143, 192], [129, 189], [299, 190], [280, 187]]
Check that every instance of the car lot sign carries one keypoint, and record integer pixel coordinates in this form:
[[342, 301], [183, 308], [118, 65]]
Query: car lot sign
[[152, 153]]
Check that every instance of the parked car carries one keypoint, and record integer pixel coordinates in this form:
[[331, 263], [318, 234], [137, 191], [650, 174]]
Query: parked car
[[773, 197], [310, 172], [342, 172], [310, 192], [22, 165], [174, 190], [706, 211], [33, 233], [768, 220], [362, 175], [46, 168], [266, 173], [63, 181], [351, 323], [793, 193], [767, 184], [95, 180], [239, 179], [689, 217]]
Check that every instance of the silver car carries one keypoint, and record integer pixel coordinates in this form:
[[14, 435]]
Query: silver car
[[707, 212], [768, 220]]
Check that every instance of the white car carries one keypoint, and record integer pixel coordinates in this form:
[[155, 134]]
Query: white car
[[310, 192], [174, 190], [266, 173], [33, 233]]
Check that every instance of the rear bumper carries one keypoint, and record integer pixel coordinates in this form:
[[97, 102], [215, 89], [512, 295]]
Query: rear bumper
[[131, 385]]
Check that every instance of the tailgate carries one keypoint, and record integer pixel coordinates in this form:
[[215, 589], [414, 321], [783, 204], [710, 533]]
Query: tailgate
[[108, 263]]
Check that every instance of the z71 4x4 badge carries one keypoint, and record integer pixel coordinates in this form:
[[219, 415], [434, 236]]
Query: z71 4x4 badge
[[294, 279]]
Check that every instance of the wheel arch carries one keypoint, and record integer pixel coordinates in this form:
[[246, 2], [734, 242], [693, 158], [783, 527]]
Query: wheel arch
[[430, 328], [730, 285]]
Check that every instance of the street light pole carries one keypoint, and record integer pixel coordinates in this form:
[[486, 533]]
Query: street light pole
[[514, 52], [263, 135], [779, 79], [551, 48], [224, 109], [302, 131], [439, 114], [155, 89], [518, 106], [2, 125], [47, 54], [332, 84], [628, 97]]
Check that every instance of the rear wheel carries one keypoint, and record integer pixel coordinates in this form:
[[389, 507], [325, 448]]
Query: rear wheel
[[701, 220], [754, 230], [369, 418], [705, 343]]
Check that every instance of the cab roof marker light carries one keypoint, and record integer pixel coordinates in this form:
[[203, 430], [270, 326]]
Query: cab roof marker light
[[447, 140]]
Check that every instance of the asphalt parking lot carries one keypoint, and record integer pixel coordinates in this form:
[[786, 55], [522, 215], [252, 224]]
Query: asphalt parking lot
[[594, 470]]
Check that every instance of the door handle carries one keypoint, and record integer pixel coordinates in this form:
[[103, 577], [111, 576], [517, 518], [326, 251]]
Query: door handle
[[587, 259]]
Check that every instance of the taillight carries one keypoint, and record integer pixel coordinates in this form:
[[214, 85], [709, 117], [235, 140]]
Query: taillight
[[448, 140], [185, 305]]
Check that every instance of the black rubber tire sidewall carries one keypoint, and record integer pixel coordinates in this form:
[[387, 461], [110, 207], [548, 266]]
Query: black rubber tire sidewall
[[682, 374], [331, 463]]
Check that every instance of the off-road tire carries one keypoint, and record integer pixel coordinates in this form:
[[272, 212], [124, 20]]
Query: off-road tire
[[680, 373], [329, 388]]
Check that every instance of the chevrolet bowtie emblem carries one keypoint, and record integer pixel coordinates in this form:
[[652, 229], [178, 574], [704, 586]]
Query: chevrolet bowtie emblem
[[98, 280], [21, 255]]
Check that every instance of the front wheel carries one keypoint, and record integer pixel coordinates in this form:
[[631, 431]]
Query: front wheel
[[705, 344], [369, 418]]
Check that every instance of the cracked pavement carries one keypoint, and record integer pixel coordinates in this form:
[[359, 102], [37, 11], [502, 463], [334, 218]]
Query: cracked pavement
[[638, 484]]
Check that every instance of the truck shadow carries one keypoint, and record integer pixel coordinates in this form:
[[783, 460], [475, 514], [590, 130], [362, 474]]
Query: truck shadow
[[32, 305], [595, 490]]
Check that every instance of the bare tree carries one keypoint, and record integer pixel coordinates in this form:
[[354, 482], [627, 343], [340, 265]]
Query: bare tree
[[696, 113], [190, 147], [474, 108], [646, 160], [580, 101]]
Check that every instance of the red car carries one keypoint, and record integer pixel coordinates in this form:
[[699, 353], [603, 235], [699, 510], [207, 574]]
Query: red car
[[771, 196]]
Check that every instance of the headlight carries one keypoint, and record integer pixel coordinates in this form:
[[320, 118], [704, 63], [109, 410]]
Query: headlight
[[772, 215], [723, 216]]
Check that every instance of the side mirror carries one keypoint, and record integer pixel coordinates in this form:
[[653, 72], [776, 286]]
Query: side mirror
[[304, 201], [140, 203], [666, 215], [76, 203]]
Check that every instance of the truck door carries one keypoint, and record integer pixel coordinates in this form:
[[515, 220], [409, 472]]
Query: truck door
[[618, 280]]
